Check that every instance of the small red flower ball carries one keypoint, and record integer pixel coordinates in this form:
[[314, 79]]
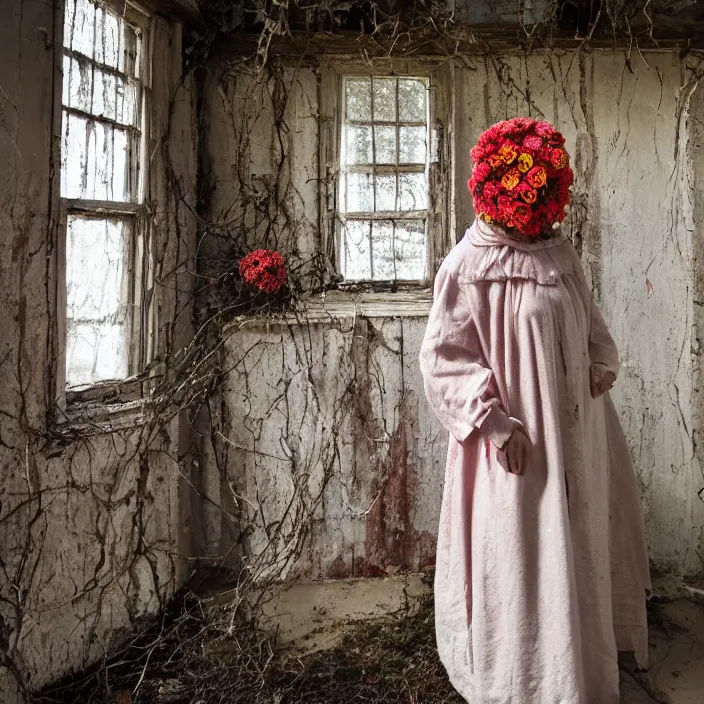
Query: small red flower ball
[[521, 177], [264, 269]]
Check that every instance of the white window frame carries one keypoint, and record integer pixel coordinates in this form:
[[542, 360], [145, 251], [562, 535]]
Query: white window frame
[[397, 169], [440, 213], [137, 274]]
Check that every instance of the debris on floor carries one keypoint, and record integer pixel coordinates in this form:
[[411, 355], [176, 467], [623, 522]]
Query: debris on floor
[[198, 653], [676, 672]]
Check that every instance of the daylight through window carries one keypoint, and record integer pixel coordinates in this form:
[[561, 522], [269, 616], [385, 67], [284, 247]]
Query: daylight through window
[[102, 188], [384, 179]]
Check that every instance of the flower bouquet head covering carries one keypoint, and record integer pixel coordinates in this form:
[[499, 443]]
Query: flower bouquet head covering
[[521, 178]]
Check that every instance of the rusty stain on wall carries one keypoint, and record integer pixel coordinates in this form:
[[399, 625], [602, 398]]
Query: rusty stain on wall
[[625, 236]]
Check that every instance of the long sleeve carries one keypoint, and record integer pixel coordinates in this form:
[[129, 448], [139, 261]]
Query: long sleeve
[[459, 383], [602, 348]]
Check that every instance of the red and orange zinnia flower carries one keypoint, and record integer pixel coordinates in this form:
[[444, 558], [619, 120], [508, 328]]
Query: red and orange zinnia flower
[[511, 179], [522, 176], [537, 177]]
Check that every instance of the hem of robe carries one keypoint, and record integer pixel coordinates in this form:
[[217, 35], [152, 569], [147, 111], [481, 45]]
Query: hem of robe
[[633, 638]]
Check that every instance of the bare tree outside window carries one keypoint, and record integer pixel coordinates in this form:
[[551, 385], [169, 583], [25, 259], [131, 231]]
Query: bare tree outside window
[[384, 179], [102, 189]]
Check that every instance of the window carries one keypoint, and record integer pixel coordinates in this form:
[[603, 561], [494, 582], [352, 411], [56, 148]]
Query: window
[[384, 165], [103, 190]]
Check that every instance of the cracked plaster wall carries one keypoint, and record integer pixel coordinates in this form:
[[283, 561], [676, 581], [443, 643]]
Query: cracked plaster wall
[[90, 532], [636, 144]]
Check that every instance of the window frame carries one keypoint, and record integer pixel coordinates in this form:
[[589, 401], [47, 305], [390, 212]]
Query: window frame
[[440, 225], [115, 395], [397, 169]]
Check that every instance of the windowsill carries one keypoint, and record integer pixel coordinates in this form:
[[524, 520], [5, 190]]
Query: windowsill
[[369, 300], [348, 303], [107, 392], [97, 417], [104, 407]]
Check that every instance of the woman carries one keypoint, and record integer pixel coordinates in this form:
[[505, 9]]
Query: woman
[[541, 570]]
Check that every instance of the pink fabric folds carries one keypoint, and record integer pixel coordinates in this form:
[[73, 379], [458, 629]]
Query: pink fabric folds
[[540, 578]]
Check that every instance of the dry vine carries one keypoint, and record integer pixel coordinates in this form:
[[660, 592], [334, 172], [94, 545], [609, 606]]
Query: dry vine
[[203, 652]]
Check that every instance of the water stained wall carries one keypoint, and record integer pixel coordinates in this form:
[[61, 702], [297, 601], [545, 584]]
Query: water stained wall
[[628, 126]]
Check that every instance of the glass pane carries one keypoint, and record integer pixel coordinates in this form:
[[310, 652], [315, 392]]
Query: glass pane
[[411, 100], [78, 84], [399, 250], [383, 250], [97, 306], [384, 99], [79, 26], [97, 33], [95, 353], [410, 242], [102, 94], [412, 147], [385, 192], [358, 145], [356, 265], [73, 156], [360, 193], [109, 45], [94, 163], [359, 99], [114, 98], [129, 54], [413, 192], [385, 145]]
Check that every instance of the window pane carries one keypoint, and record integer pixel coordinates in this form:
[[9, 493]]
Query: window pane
[[73, 157], [115, 98], [383, 250], [384, 99], [110, 44], [95, 160], [95, 353], [399, 250], [98, 156], [385, 145], [411, 100], [102, 94], [78, 84], [99, 34], [358, 145], [359, 99], [356, 264], [385, 192], [360, 193], [412, 146], [413, 192], [97, 301], [410, 245], [79, 26]]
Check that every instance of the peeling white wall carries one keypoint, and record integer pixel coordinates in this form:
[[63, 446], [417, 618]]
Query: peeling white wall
[[633, 220], [626, 129], [90, 534], [328, 424]]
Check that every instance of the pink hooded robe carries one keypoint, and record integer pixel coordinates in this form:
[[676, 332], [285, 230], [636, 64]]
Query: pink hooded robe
[[542, 578]]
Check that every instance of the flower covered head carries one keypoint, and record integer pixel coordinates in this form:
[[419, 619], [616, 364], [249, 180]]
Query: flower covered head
[[264, 269], [521, 177]]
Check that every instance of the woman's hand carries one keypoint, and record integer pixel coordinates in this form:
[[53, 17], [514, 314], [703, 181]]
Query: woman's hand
[[509, 437], [602, 380], [517, 451]]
